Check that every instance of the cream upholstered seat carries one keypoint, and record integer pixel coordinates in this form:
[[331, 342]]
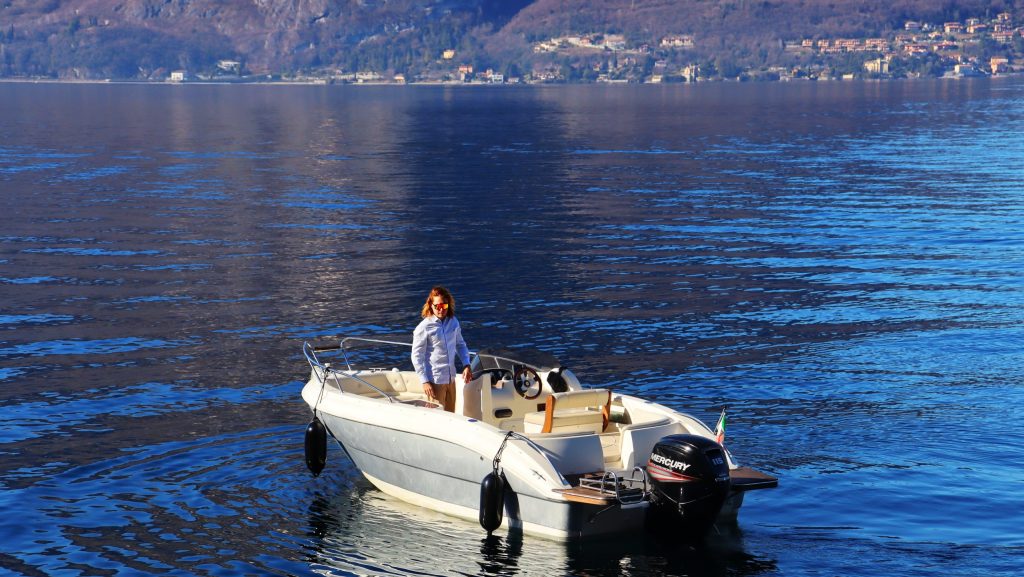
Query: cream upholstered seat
[[570, 412]]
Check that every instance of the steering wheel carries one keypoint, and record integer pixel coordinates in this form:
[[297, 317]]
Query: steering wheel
[[496, 373], [526, 379]]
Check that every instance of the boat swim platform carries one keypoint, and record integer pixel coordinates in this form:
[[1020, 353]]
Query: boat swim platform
[[593, 490]]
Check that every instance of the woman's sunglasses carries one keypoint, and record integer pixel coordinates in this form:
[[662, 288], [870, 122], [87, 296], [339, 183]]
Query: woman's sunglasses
[[441, 306]]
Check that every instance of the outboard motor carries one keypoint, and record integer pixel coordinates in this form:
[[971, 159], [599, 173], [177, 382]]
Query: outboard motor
[[689, 480]]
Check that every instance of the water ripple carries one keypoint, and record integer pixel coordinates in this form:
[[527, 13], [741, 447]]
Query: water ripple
[[77, 347]]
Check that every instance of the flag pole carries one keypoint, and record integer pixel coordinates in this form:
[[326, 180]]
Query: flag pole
[[720, 429]]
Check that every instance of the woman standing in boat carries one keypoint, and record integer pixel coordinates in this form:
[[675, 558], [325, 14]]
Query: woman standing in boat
[[436, 344]]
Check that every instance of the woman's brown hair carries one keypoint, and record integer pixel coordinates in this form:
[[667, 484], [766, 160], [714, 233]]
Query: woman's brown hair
[[443, 293]]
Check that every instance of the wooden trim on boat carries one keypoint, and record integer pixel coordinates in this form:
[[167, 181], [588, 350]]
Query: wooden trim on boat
[[549, 415], [586, 496]]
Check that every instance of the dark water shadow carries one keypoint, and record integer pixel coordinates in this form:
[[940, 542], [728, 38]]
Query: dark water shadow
[[660, 552]]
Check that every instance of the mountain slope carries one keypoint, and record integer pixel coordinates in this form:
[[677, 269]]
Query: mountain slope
[[126, 38]]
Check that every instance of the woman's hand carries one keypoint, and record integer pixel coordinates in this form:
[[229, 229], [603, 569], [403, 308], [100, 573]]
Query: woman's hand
[[467, 374], [428, 388]]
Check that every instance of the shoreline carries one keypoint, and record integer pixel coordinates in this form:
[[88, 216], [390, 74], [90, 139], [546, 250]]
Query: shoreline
[[325, 82]]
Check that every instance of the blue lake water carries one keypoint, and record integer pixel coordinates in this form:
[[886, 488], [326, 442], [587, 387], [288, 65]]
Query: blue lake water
[[839, 264]]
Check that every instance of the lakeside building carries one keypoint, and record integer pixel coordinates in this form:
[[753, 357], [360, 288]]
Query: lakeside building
[[877, 66], [999, 64]]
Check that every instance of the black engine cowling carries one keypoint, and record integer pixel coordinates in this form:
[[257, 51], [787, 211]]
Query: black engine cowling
[[689, 476]]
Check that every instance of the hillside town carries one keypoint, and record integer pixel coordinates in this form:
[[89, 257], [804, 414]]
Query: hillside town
[[952, 49], [971, 48]]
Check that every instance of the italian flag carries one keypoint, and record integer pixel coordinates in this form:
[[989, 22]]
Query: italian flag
[[720, 428]]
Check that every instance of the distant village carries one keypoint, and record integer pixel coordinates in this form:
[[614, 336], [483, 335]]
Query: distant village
[[948, 44], [971, 48]]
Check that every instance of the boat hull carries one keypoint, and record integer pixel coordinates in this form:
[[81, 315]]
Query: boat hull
[[445, 476]]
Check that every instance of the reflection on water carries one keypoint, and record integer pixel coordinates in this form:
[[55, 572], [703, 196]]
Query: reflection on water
[[360, 529], [840, 264]]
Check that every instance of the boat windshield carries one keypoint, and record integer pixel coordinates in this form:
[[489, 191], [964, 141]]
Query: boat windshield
[[499, 358]]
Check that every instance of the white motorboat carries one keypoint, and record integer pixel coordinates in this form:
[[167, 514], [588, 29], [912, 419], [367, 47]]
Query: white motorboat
[[527, 448]]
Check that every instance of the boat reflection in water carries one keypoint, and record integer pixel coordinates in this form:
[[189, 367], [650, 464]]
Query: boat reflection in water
[[359, 530], [364, 531]]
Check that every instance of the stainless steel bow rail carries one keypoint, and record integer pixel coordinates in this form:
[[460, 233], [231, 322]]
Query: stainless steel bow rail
[[310, 352], [322, 370]]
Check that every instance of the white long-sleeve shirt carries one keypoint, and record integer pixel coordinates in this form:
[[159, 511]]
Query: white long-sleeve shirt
[[436, 344]]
